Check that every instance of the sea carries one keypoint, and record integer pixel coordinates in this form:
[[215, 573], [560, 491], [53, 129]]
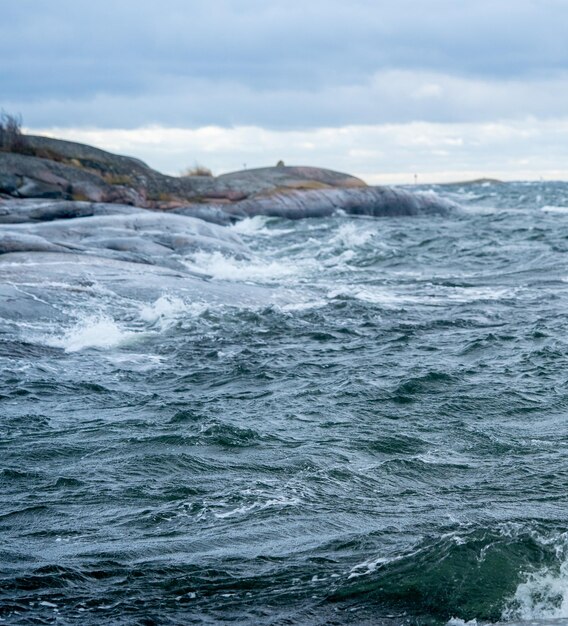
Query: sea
[[367, 424]]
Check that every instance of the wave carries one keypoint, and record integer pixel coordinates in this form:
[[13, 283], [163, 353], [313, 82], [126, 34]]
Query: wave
[[102, 331], [506, 574], [97, 331], [544, 593], [258, 225], [352, 235], [168, 309], [428, 295], [221, 267]]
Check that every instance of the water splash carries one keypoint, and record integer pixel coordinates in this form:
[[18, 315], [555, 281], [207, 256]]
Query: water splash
[[543, 595], [167, 310], [99, 331], [257, 225], [352, 235], [221, 267]]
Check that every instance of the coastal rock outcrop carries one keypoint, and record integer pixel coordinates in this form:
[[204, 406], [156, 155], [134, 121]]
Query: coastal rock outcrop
[[22, 211], [369, 201], [65, 170], [284, 178], [111, 231], [81, 181], [25, 176], [92, 223]]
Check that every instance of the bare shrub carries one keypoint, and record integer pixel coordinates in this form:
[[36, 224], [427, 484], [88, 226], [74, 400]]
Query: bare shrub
[[11, 137], [196, 170]]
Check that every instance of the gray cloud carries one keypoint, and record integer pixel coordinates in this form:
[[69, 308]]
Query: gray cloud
[[293, 63], [388, 97]]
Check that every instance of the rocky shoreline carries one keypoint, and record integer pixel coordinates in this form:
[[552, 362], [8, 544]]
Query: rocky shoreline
[[70, 174], [62, 170], [79, 225]]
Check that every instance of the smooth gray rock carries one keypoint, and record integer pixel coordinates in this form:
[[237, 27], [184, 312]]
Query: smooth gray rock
[[370, 201], [134, 235], [265, 179], [90, 192], [44, 178], [51, 148], [31, 188], [19, 211], [25, 242], [213, 213], [9, 183]]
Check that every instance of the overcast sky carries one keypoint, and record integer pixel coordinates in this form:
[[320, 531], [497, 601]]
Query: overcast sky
[[381, 88]]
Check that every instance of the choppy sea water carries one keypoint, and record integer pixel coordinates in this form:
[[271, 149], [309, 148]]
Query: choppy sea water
[[380, 438]]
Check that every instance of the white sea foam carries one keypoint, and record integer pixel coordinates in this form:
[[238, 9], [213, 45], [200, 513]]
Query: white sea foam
[[544, 595], [98, 331], [168, 309], [221, 267], [136, 362], [368, 567], [425, 294], [281, 502], [555, 209], [224, 510], [303, 305], [257, 225], [472, 294], [164, 306], [352, 235]]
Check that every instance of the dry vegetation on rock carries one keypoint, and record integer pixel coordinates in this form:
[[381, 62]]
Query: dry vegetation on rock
[[196, 170], [11, 137]]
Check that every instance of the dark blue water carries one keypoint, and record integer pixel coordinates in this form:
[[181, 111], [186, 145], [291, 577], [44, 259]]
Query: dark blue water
[[376, 434]]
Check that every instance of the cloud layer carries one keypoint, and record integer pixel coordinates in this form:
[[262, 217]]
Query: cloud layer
[[302, 79], [282, 64]]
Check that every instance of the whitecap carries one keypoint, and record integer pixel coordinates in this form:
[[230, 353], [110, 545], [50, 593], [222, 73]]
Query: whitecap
[[278, 502], [368, 567], [257, 225], [351, 235], [136, 362], [426, 294], [302, 305], [167, 310], [221, 267], [543, 595], [164, 306], [99, 331]]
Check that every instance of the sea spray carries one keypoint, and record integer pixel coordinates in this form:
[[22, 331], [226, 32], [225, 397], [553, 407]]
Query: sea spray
[[96, 331]]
